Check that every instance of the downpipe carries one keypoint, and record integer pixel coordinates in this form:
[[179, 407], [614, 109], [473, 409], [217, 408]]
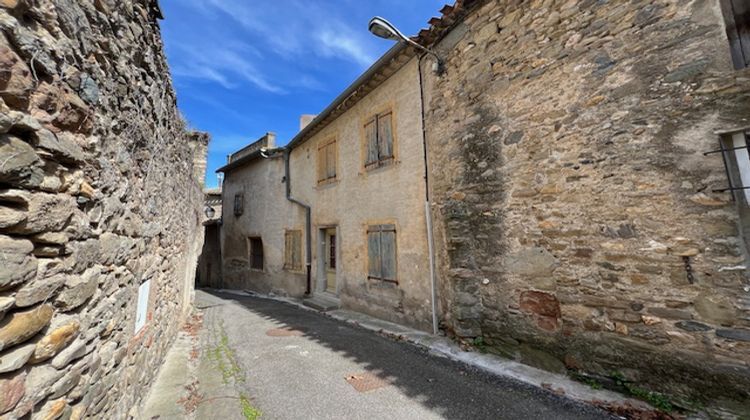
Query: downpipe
[[308, 221], [427, 206]]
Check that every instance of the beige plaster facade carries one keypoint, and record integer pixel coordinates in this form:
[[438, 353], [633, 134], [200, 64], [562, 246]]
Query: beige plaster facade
[[266, 214], [392, 194], [358, 198]]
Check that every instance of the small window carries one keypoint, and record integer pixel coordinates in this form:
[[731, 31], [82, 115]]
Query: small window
[[735, 152], [327, 162], [256, 253], [293, 250], [737, 19], [239, 204], [379, 140], [381, 252]]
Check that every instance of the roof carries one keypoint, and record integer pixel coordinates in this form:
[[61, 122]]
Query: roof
[[391, 62], [387, 65]]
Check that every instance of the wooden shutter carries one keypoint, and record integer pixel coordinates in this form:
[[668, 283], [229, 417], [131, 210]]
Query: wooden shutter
[[238, 204], [371, 143], [321, 163], [331, 160], [388, 252], [373, 253], [737, 18], [381, 251], [288, 262], [297, 250], [385, 136]]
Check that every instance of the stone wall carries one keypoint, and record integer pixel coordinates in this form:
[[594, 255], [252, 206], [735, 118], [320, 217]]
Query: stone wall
[[97, 196], [576, 222]]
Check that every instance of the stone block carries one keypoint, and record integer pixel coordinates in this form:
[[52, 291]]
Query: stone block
[[693, 326], [78, 289], [55, 341], [540, 303], [45, 212], [715, 309], [16, 357], [734, 334], [38, 290], [63, 146], [531, 262], [23, 325], [19, 265], [74, 351], [19, 163], [16, 82], [12, 389], [671, 313]]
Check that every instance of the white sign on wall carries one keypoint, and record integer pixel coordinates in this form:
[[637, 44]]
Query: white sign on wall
[[142, 310]]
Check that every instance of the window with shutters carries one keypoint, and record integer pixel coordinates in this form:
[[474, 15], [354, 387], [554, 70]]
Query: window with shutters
[[293, 250], [256, 253], [381, 253], [379, 148], [239, 204], [327, 162], [737, 19]]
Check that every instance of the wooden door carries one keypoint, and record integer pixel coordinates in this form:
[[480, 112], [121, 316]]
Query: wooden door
[[330, 260]]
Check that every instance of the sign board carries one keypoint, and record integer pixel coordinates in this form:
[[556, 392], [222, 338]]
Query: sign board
[[142, 310]]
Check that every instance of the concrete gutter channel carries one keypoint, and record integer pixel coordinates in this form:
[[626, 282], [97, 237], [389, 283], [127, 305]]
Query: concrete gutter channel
[[444, 347]]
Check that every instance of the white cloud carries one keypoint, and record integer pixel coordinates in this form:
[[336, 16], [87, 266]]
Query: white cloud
[[296, 29], [228, 65]]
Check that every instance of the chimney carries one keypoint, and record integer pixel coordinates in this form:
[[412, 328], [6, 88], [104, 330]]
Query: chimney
[[304, 120], [270, 140]]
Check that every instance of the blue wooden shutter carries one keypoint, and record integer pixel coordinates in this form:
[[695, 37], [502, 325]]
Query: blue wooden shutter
[[388, 252], [373, 253], [385, 136], [371, 143]]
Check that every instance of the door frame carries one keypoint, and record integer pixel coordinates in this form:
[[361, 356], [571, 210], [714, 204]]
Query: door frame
[[321, 276]]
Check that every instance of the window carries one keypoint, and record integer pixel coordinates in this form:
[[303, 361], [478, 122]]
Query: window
[[332, 252], [327, 162], [293, 250], [737, 19], [239, 204], [379, 140], [256, 253], [734, 151], [381, 252]]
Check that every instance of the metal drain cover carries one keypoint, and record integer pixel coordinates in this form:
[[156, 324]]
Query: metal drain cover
[[284, 332], [365, 382]]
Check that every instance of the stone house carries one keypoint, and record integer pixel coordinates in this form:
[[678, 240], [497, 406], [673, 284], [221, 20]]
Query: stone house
[[588, 174], [359, 167]]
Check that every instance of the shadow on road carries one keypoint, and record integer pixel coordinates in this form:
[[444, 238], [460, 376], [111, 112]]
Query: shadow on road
[[454, 390]]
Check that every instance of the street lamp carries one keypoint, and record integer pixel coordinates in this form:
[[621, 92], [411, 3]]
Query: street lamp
[[384, 29], [210, 212]]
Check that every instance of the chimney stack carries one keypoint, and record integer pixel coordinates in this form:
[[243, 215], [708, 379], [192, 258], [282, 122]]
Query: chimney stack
[[304, 120]]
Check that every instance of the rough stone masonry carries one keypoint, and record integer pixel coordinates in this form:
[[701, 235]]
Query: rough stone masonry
[[98, 195], [577, 225]]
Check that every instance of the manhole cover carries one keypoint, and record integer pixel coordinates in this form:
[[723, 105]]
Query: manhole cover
[[284, 332], [364, 382]]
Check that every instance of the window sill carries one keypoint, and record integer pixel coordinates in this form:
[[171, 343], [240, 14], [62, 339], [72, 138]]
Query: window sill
[[330, 183], [383, 283], [294, 270], [381, 166]]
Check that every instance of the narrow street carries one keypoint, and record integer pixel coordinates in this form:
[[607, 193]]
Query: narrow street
[[259, 358]]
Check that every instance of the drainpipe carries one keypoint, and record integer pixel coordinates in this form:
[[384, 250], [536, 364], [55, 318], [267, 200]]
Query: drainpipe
[[427, 206], [308, 219]]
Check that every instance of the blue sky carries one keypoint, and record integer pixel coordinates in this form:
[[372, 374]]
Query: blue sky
[[245, 67]]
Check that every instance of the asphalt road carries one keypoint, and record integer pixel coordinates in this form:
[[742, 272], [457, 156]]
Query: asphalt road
[[303, 375]]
